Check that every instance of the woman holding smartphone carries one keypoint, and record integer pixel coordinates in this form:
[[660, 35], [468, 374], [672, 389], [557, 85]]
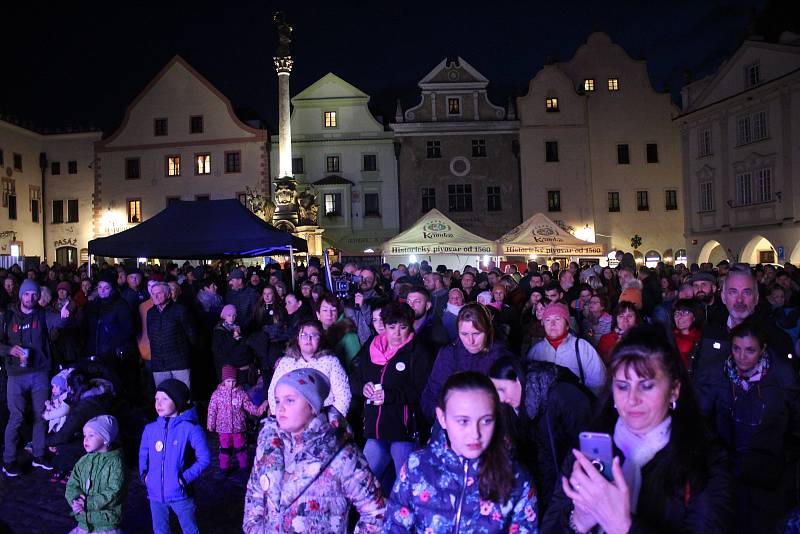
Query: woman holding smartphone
[[666, 475]]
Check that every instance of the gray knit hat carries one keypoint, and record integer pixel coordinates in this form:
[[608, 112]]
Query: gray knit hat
[[310, 383], [28, 285], [104, 426]]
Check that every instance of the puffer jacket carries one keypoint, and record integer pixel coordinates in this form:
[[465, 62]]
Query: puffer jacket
[[171, 335], [437, 492], [167, 465], [286, 492], [108, 327], [454, 358], [226, 410], [104, 474]]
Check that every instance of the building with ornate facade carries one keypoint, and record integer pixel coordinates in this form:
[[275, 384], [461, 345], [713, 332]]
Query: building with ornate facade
[[600, 154], [741, 162], [179, 140], [457, 153], [344, 159], [59, 230]]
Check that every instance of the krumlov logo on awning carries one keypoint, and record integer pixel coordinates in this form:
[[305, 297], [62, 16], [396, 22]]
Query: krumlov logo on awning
[[437, 229]]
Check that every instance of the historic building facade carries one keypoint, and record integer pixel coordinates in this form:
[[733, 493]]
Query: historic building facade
[[180, 140], [741, 164], [63, 163], [600, 154], [457, 152], [345, 158]]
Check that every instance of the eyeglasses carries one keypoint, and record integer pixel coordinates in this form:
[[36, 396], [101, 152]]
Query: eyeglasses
[[683, 313], [308, 337]]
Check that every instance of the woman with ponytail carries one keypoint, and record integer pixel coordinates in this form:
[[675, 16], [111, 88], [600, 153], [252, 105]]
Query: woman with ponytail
[[465, 479]]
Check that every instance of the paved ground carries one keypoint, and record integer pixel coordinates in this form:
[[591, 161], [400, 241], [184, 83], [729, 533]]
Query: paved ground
[[30, 504]]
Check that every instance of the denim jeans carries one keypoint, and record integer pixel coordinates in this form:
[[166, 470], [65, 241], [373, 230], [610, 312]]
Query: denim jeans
[[184, 509], [20, 388], [380, 453]]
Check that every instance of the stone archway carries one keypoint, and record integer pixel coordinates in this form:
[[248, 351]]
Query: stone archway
[[713, 252], [758, 250]]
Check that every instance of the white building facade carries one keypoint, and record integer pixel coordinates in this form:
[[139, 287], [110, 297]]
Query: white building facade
[[600, 154], [180, 140], [741, 165], [60, 229], [347, 157]]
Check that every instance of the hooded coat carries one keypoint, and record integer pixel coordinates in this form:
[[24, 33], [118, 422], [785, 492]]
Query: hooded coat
[[306, 482], [172, 454], [437, 493], [103, 473]]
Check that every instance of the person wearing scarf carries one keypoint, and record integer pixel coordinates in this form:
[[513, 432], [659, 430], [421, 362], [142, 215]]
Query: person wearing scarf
[[455, 301], [666, 475], [389, 373], [686, 333], [753, 403]]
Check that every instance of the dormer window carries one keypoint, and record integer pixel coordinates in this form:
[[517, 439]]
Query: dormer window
[[752, 75], [588, 85], [551, 104], [613, 84]]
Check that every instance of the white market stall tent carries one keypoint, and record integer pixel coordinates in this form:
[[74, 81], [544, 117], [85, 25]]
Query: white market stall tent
[[540, 236], [439, 240]]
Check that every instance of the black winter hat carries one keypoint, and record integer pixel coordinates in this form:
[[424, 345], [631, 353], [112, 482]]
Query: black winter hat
[[177, 391]]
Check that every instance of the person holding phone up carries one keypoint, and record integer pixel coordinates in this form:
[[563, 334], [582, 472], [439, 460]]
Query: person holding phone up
[[667, 474]]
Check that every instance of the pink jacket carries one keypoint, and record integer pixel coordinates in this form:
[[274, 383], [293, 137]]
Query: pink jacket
[[226, 410]]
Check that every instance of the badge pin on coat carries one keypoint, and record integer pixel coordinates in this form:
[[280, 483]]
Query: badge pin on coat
[[159, 446]]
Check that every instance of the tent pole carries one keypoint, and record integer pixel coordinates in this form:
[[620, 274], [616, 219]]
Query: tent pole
[[291, 264]]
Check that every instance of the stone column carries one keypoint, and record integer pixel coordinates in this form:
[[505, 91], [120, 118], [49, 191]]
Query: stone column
[[283, 65]]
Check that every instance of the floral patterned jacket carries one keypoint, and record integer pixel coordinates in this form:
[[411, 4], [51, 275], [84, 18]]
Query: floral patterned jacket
[[284, 493], [226, 410], [437, 493]]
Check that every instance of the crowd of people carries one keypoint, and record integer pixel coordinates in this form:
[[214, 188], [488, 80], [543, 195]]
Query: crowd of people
[[412, 399]]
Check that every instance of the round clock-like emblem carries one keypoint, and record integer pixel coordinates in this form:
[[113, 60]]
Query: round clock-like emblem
[[460, 166], [453, 76]]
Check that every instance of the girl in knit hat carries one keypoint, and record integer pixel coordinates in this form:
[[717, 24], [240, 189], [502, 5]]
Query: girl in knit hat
[[308, 469], [226, 417], [96, 487]]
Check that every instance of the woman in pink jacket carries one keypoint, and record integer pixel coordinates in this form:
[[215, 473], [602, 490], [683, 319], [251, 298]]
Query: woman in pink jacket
[[226, 416]]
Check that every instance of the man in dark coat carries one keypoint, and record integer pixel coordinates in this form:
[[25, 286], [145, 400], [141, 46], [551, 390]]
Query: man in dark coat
[[428, 327], [171, 335], [244, 297]]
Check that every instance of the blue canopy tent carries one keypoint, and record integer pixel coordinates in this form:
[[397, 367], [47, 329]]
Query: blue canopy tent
[[194, 230]]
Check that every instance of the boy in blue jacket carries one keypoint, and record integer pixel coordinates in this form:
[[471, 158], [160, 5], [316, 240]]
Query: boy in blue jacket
[[166, 464]]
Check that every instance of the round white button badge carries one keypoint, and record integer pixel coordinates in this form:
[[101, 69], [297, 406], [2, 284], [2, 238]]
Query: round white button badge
[[400, 366], [159, 446]]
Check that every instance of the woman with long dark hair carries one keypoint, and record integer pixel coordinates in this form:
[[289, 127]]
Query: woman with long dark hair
[[465, 480], [672, 477]]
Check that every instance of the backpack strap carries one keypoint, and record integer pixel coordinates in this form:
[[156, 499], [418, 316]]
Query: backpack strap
[[580, 360]]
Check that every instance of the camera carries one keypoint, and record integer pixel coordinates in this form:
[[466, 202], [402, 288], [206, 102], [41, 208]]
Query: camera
[[340, 286]]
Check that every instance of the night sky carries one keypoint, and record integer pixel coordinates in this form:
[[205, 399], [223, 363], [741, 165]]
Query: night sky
[[81, 63]]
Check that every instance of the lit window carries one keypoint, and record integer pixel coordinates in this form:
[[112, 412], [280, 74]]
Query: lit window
[[333, 204], [453, 106], [173, 165], [330, 119], [134, 210], [613, 84], [202, 164], [588, 84], [551, 104]]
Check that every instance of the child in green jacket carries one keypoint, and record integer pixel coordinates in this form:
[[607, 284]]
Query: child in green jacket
[[96, 488]]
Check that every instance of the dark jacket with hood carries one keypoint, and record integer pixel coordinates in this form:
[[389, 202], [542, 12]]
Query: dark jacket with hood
[[108, 326], [28, 331], [454, 358]]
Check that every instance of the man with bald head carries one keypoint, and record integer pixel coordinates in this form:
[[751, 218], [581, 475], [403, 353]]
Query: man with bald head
[[740, 297]]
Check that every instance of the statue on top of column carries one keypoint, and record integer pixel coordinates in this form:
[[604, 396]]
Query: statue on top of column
[[284, 34]]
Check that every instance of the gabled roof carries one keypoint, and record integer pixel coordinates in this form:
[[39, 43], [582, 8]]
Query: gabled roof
[[178, 60], [454, 72], [198, 230], [333, 179], [329, 86]]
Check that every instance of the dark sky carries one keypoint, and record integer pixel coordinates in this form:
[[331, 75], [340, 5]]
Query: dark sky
[[83, 62]]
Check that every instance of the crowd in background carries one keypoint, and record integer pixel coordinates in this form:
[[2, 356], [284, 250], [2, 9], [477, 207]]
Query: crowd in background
[[410, 398]]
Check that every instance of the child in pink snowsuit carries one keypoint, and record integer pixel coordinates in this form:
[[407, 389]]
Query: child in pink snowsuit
[[226, 416]]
